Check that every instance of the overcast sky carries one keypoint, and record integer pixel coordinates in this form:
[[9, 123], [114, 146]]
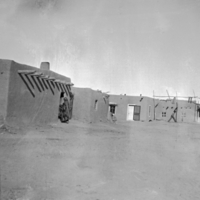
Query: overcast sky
[[122, 46]]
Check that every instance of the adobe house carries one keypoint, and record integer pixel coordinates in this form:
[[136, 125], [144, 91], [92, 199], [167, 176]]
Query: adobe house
[[131, 108], [187, 111], [31, 95], [90, 105]]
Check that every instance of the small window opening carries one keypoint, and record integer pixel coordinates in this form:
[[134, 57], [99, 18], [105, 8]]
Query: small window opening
[[163, 114], [96, 104], [149, 111], [113, 109]]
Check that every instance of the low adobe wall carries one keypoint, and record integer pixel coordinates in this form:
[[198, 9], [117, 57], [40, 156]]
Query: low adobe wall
[[123, 101], [31, 98], [84, 105]]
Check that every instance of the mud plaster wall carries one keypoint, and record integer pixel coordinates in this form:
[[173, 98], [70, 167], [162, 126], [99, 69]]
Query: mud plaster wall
[[122, 104], [186, 111], [4, 84], [158, 109], [84, 105], [23, 107]]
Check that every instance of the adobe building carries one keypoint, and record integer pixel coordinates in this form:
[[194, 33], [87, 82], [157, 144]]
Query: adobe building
[[90, 105], [131, 108], [31, 95], [187, 111]]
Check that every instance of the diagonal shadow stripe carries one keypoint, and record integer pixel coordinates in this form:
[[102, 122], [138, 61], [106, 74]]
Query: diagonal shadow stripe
[[45, 84], [36, 84], [40, 82], [29, 80], [156, 105], [57, 86], [61, 87], [50, 86], [52, 79], [23, 79], [65, 89], [52, 83]]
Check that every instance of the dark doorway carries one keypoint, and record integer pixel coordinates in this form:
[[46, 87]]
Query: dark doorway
[[112, 108], [136, 114], [64, 113], [62, 95]]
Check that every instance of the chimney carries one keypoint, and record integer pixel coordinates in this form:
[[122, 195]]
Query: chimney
[[45, 65]]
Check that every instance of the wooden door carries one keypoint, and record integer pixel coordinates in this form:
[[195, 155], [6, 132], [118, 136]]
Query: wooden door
[[130, 111], [136, 116]]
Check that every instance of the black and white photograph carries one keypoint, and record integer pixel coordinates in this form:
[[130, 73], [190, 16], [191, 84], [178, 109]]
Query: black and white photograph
[[99, 100]]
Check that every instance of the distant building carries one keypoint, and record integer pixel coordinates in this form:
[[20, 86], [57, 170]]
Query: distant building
[[187, 111], [140, 108], [131, 108], [31, 95], [90, 105]]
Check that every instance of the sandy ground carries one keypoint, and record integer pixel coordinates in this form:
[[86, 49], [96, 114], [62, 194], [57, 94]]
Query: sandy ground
[[126, 161]]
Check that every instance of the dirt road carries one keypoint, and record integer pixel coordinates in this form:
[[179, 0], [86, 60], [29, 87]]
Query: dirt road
[[127, 161]]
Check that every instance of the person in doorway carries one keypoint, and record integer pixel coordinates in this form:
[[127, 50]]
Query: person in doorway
[[64, 111]]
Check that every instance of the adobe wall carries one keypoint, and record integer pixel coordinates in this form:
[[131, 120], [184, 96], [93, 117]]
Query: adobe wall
[[30, 101], [4, 84], [122, 102], [158, 109], [186, 111], [84, 105]]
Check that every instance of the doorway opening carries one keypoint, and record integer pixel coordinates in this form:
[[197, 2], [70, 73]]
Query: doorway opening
[[133, 112], [112, 108], [63, 113], [62, 95]]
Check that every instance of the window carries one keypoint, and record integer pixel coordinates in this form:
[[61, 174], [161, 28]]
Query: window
[[112, 109], [163, 114], [96, 104], [149, 111]]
